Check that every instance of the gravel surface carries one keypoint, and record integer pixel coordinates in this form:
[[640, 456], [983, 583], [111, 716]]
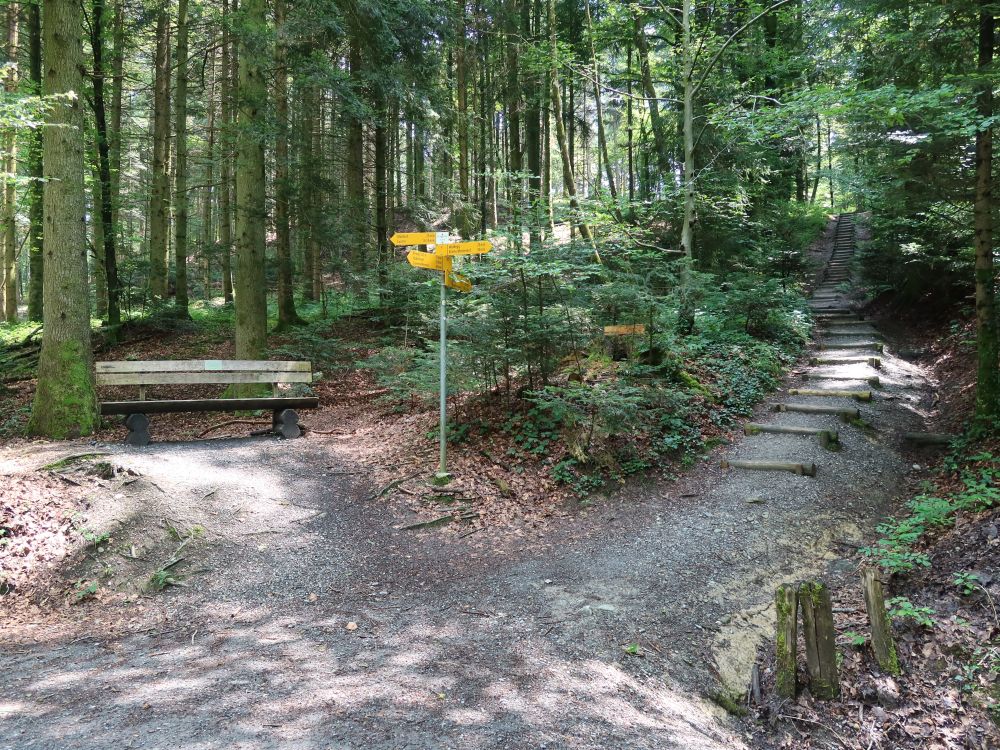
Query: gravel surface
[[310, 620]]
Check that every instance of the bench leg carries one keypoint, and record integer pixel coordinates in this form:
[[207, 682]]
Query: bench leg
[[138, 430], [286, 424]]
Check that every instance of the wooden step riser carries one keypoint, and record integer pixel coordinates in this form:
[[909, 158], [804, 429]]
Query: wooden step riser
[[804, 470], [816, 393], [873, 345], [873, 362], [844, 413]]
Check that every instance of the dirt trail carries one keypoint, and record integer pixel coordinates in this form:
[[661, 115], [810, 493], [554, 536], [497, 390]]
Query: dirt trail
[[310, 621]]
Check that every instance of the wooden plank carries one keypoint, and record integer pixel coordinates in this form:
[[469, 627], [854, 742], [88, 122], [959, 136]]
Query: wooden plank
[[843, 413], [929, 438], [808, 470], [787, 639], [820, 638], [826, 436], [207, 404], [882, 642], [636, 329], [201, 378], [857, 395], [202, 365]]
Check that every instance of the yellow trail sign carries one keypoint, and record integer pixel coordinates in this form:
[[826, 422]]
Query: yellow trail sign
[[429, 261], [464, 248], [405, 239], [636, 329], [457, 281]]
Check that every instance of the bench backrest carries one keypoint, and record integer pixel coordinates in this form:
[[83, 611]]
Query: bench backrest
[[202, 371]]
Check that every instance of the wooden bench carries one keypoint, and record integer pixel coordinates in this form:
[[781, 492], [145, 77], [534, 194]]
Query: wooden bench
[[205, 372]]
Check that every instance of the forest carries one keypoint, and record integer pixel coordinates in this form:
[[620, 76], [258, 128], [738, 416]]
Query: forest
[[683, 201]]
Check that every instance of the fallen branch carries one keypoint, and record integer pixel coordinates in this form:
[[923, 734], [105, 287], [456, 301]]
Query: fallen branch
[[213, 428], [392, 485]]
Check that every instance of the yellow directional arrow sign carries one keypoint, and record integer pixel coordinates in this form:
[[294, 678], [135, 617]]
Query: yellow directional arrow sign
[[464, 248], [429, 261], [457, 281], [405, 239]]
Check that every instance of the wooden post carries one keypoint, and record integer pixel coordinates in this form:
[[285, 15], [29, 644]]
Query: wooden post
[[787, 639], [821, 650], [882, 643]]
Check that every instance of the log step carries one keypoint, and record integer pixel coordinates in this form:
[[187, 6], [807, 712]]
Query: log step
[[845, 413], [805, 470], [929, 438], [827, 438], [873, 381], [870, 361], [856, 395], [877, 346]]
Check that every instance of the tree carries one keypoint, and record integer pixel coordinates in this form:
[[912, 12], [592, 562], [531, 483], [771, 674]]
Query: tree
[[65, 402], [181, 165], [36, 187], [8, 221], [251, 210], [988, 393], [159, 199]]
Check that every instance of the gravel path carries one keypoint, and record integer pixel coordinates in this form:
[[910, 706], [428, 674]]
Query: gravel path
[[310, 621]]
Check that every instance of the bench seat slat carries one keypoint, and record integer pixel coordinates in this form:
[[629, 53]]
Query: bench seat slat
[[195, 378], [209, 404], [202, 365]]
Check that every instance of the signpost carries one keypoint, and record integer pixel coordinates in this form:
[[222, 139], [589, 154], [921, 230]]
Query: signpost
[[441, 260]]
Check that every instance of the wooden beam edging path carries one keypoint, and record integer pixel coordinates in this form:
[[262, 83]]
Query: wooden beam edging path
[[803, 470], [827, 438], [844, 412], [882, 642], [820, 638], [856, 395], [786, 602]]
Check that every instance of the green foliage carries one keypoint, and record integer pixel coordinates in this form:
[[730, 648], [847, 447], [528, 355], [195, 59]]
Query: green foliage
[[894, 550], [966, 581], [901, 608]]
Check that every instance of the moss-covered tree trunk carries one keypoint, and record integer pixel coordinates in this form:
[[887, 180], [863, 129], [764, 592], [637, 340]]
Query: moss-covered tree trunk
[[65, 402], [988, 393], [251, 299]]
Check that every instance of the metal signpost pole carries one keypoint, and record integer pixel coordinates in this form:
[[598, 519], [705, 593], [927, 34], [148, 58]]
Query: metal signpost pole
[[443, 436]]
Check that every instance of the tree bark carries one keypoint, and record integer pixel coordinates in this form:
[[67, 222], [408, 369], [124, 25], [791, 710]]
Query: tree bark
[[36, 190], [208, 192], [569, 180], [65, 403], [251, 297], [103, 190], [287, 316], [514, 119], [181, 166], [602, 136], [988, 389], [225, 167], [9, 217], [159, 200], [687, 82], [357, 235]]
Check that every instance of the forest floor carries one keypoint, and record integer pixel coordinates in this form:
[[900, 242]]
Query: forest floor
[[251, 593]]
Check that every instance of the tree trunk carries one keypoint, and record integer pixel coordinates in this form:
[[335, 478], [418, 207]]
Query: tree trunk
[[159, 209], [103, 190], [988, 389], [181, 166], [225, 153], [687, 227], [659, 137], [357, 235], [569, 181], [36, 190], [9, 219], [287, 315], [208, 194], [65, 403], [462, 96], [251, 212], [514, 119], [602, 136], [532, 134]]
